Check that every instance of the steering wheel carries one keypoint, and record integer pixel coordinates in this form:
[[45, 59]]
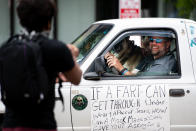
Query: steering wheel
[[102, 66]]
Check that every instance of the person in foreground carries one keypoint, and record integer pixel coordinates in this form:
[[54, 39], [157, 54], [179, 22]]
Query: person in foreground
[[36, 16], [160, 62]]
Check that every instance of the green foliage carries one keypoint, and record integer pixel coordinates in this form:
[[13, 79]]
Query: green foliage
[[184, 7]]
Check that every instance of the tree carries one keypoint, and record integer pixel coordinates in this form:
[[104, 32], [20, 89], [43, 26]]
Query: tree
[[184, 7]]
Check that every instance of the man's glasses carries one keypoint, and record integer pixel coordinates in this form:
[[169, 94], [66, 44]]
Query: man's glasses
[[156, 40]]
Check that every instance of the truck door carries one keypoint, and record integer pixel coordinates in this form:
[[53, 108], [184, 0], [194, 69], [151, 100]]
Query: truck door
[[107, 100], [62, 114]]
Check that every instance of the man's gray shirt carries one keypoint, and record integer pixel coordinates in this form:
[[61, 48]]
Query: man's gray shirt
[[164, 65]]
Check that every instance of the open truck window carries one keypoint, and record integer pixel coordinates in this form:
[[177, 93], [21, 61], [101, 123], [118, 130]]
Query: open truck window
[[140, 53]]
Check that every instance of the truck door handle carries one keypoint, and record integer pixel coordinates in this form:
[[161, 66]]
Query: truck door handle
[[176, 92]]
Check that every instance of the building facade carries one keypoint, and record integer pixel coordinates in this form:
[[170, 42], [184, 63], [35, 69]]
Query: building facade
[[74, 16]]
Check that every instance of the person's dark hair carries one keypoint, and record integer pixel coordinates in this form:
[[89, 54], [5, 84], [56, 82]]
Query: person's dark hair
[[36, 14]]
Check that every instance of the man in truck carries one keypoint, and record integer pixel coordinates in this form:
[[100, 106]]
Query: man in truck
[[160, 62]]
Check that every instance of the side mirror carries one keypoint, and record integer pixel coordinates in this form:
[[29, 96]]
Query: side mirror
[[91, 76]]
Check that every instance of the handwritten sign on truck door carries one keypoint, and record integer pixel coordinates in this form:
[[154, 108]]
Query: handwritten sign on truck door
[[130, 108]]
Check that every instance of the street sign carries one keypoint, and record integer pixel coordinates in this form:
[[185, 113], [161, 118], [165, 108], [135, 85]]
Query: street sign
[[129, 8]]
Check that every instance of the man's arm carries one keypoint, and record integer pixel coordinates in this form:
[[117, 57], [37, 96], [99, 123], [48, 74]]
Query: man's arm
[[112, 61], [73, 75]]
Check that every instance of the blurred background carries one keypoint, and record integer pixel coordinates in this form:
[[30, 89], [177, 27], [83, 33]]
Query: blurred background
[[74, 16]]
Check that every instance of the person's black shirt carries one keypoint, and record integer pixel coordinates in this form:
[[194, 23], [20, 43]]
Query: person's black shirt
[[56, 58]]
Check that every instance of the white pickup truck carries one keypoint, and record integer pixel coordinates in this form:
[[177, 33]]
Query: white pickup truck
[[106, 100]]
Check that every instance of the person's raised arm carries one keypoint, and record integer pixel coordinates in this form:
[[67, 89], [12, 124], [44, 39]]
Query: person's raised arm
[[73, 75]]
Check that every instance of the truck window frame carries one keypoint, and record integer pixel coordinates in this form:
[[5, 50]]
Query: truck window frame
[[126, 33]]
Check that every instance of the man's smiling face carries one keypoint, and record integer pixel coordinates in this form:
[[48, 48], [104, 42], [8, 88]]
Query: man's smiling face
[[158, 46]]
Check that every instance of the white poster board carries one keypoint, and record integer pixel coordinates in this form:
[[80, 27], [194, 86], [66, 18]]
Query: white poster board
[[130, 108], [129, 8]]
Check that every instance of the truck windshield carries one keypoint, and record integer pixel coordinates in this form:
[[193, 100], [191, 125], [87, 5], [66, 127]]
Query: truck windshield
[[89, 39]]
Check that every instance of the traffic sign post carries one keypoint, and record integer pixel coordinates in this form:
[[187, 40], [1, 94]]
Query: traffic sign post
[[129, 8]]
